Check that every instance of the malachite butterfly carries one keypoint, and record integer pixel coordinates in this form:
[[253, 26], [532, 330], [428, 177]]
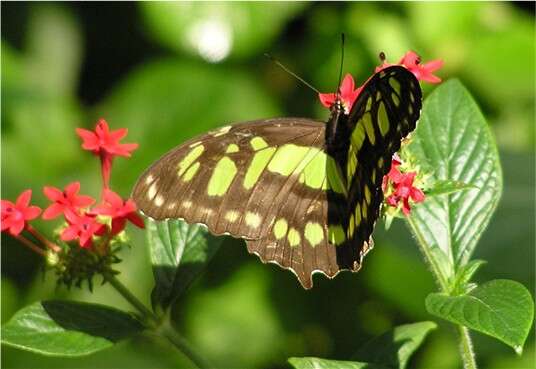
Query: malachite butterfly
[[304, 194]]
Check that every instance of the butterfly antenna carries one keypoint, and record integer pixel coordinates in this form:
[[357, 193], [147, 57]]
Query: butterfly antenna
[[280, 65], [342, 62]]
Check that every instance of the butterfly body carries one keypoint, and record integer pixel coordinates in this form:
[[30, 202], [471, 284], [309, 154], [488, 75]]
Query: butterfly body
[[303, 194]]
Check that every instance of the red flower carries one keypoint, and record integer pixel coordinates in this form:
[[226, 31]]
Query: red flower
[[394, 174], [119, 210], [347, 94], [105, 144], [15, 216], [404, 190], [68, 199], [81, 227], [423, 72]]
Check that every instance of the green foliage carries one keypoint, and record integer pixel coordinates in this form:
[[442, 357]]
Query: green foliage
[[445, 187], [500, 308], [454, 139], [316, 363], [392, 349], [244, 28], [179, 252], [67, 328]]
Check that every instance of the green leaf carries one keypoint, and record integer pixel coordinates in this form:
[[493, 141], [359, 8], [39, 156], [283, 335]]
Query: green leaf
[[454, 139], [213, 31], [394, 348], [316, 363], [179, 252], [464, 275], [447, 187], [389, 350], [500, 308], [68, 328]]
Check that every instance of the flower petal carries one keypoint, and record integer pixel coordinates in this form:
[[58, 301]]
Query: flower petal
[[31, 212], [118, 134], [83, 201], [72, 189], [90, 141], [69, 233], [24, 199], [53, 193], [347, 85], [52, 211], [16, 227], [118, 224], [112, 198], [327, 99], [136, 220]]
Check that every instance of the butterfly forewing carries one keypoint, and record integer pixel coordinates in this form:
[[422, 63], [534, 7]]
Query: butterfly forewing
[[386, 111]]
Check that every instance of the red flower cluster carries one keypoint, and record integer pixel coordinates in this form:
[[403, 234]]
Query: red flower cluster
[[83, 222], [399, 187], [411, 61]]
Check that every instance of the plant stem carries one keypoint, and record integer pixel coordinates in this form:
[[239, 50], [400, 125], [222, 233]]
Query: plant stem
[[441, 279], [466, 348], [32, 246], [123, 291], [43, 239], [163, 328], [180, 343], [466, 345]]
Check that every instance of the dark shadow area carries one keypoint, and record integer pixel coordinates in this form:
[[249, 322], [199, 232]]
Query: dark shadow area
[[94, 320]]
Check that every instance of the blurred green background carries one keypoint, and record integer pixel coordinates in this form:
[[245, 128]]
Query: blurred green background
[[168, 71]]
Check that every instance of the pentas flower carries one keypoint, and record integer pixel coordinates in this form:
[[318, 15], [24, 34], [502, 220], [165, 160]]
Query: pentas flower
[[347, 94], [119, 210], [412, 62], [16, 215], [82, 227], [105, 144], [68, 199], [399, 187]]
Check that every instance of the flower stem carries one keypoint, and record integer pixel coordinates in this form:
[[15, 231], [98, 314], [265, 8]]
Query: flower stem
[[180, 343], [45, 241], [163, 328], [32, 246], [466, 348], [147, 314]]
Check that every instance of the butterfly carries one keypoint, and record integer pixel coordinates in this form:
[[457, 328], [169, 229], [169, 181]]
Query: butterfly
[[304, 194]]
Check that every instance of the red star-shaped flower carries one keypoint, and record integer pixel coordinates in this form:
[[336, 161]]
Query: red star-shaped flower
[[105, 144], [347, 94], [399, 187], [68, 199], [404, 190], [412, 61], [120, 211], [14, 216], [82, 227]]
